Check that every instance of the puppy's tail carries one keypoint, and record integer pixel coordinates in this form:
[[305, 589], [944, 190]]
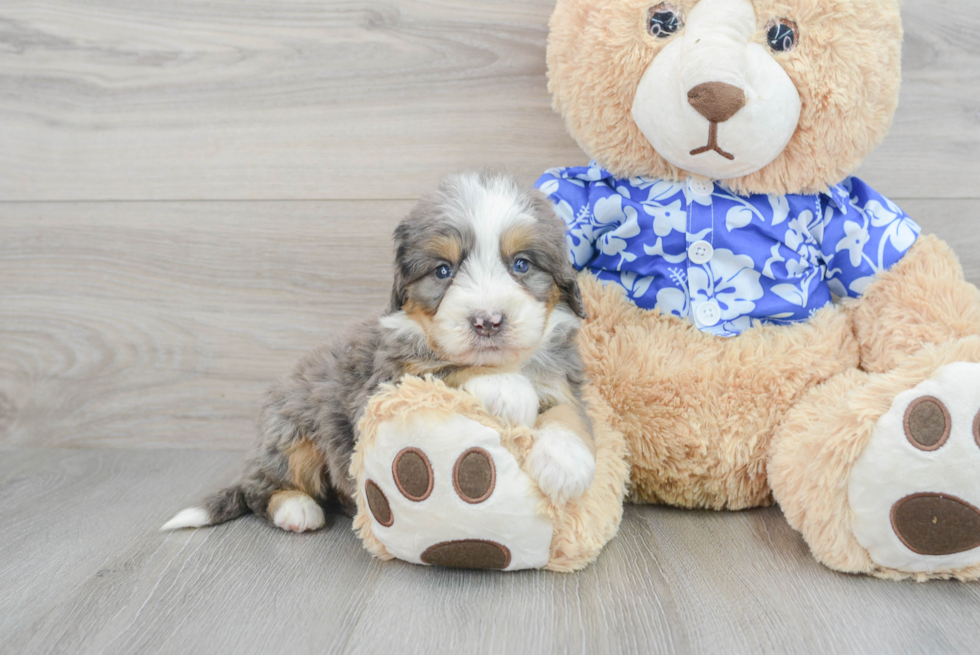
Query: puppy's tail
[[225, 505]]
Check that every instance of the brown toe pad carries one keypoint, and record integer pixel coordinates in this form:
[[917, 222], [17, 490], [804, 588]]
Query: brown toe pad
[[468, 554], [936, 524]]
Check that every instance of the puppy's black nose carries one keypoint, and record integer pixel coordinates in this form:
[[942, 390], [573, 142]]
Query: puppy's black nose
[[486, 324]]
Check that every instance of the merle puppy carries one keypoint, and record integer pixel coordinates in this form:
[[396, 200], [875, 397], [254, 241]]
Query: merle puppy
[[485, 299]]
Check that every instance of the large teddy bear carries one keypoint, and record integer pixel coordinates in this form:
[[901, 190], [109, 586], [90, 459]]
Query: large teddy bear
[[762, 326]]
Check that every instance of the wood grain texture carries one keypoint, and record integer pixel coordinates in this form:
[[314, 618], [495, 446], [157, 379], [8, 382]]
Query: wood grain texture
[[315, 99], [161, 324], [84, 571]]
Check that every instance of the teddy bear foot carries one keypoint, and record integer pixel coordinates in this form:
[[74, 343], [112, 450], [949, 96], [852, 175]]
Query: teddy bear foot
[[443, 490], [914, 492]]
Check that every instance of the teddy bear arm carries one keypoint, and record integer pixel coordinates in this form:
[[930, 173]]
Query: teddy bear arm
[[923, 299]]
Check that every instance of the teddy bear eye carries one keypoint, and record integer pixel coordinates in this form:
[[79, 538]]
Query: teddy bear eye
[[782, 35], [664, 20]]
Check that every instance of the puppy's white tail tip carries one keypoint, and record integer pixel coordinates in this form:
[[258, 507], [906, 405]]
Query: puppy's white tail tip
[[192, 517]]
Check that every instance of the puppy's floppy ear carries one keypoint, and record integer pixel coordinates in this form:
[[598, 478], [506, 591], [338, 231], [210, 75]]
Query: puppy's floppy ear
[[397, 295], [401, 242], [570, 293], [555, 252]]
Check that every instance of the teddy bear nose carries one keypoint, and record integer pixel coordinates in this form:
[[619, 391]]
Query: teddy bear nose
[[716, 101]]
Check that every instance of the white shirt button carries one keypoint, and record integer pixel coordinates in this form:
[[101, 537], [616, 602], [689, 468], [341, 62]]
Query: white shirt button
[[700, 252], [709, 313], [700, 187]]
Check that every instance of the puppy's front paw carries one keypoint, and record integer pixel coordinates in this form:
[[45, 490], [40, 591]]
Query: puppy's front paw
[[297, 512], [561, 464], [510, 396]]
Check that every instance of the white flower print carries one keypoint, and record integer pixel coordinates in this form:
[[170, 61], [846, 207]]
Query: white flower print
[[901, 231], [637, 232], [780, 208], [592, 174], [636, 286], [674, 302], [549, 187], [774, 258], [855, 241], [610, 211], [730, 280], [739, 217], [579, 236], [666, 219], [658, 251], [797, 293]]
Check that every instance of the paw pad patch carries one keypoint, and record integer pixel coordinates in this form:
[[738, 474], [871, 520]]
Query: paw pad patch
[[927, 423], [474, 475], [444, 491], [914, 492], [936, 524], [413, 474], [378, 504], [468, 554]]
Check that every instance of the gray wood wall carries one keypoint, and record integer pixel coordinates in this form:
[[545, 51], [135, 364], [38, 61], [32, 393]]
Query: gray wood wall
[[192, 194]]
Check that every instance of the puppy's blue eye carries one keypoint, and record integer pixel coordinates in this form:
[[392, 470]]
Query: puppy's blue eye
[[444, 272], [521, 266]]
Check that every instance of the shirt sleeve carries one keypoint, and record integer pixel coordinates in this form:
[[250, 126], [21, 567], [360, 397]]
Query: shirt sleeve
[[864, 234], [571, 198]]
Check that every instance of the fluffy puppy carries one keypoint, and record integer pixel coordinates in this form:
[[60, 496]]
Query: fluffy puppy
[[484, 298]]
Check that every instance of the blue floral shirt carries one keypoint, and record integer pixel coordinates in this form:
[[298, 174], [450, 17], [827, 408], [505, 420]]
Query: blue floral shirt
[[727, 262]]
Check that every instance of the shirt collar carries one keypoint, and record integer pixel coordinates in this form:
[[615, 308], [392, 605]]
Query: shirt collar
[[838, 194]]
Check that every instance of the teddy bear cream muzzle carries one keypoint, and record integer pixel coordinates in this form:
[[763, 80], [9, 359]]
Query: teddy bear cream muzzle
[[713, 102]]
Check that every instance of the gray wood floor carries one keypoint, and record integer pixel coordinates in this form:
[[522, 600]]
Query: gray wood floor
[[83, 571], [192, 194]]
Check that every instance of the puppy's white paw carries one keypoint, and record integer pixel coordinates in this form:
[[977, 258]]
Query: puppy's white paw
[[561, 464], [192, 517], [511, 396], [299, 513]]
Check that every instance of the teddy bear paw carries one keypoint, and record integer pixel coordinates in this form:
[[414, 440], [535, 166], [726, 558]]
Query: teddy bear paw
[[445, 491], [915, 492]]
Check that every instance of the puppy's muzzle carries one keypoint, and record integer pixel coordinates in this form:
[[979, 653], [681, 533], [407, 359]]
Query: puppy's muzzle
[[486, 324]]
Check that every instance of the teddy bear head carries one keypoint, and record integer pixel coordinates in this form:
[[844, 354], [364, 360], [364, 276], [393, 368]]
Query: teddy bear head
[[772, 96]]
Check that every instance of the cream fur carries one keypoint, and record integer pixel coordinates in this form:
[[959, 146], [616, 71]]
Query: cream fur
[[846, 68], [823, 437], [784, 411], [698, 411], [717, 46]]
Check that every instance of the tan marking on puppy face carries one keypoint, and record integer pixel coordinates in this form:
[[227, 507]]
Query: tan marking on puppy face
[[516, 240], [306, 468], [418, 313], [446, 247], [278, 498]]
